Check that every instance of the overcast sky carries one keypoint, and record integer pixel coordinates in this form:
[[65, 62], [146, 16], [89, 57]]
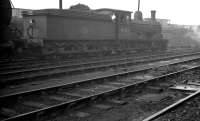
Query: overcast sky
[[178, 11]]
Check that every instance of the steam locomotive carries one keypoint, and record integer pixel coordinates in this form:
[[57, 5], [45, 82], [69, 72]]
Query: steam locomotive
[[6, 13], [82, 31]]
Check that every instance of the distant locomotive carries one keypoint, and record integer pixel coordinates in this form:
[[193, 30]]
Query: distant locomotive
[[80, 30]]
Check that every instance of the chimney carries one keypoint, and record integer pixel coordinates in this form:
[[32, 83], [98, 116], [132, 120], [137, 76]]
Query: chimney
[[60, 4], [138, 5], [153, 15]]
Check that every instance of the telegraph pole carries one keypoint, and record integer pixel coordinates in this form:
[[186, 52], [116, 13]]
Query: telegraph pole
[[60, 4]]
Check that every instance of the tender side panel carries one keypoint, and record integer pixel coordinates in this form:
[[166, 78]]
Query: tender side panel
[[61, 28]]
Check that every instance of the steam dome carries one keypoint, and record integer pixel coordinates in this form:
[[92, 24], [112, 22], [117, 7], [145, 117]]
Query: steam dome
[[79, 7]]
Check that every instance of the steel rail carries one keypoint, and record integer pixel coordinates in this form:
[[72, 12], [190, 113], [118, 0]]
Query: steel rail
[[14, 61], [176, 104]]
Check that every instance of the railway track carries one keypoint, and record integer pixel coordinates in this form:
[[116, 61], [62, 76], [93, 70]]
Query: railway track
[[69, 63], [25, 75], [33, 103], [122, 66], [53, 60], [35, 60], [29, 63]]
